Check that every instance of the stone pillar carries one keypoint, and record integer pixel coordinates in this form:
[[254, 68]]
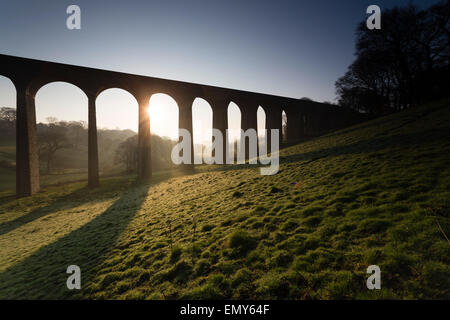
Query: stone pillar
[[273, 121], [144, 141], [309, 129], [317, 124], [27, 158], [330, 120], [93, 172], [293, 125], [312, 119], [300, 132], [249, 120], [185, 122], [220, 122]]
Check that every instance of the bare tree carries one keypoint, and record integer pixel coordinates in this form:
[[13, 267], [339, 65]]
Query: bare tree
[[406, 63], [52, 137], [8, 114], [7, 121]]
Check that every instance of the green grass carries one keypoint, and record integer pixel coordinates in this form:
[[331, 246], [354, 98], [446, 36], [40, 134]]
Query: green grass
[[7, 163], [8, 173], [376, 193]]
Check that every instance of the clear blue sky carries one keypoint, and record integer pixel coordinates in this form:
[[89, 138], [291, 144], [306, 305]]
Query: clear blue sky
[[288, 48]]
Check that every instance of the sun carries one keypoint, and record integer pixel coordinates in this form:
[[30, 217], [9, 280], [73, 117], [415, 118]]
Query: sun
[[163, 113]]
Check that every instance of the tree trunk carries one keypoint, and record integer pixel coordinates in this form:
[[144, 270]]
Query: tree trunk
[[48, 163]]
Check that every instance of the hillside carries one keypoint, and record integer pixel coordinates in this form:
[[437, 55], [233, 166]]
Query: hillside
[[376, 193], [7, 166]]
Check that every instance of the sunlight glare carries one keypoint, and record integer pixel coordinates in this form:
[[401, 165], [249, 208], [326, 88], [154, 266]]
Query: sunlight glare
[[163, 112]]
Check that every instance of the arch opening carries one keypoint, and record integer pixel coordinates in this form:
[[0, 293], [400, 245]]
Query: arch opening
[[61, 123], [202, 120], [164, 124], [234, 127], [8, 107], [117, 126], [261, 127]]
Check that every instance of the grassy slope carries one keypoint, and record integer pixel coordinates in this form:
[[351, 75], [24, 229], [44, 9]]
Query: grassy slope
[[371, 194], [8, 175]]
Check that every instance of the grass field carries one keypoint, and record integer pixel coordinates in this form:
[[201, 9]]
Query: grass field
[[7, 163], [8, 173], [377, 193]]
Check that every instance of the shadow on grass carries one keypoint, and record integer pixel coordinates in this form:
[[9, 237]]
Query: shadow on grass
[[75, 198], [43, 274], [82, 195], [60, 203]]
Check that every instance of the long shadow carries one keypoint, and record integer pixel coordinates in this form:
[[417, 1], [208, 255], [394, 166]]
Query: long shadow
[[79, 197], [72, 199], [75, 198], [43, 274]]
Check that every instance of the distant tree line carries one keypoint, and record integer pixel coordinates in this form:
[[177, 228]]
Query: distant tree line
[[7, 122], [63, 145], [403, 64], [127, 153]]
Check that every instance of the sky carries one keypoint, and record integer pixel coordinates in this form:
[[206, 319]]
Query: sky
[[287, 48]]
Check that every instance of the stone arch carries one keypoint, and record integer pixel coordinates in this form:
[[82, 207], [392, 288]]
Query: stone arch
[[105, 85], [112, 102], [62, 110], [8, 97], [117, 109], [261, 126], [163, 109], [164, 127], [36, 84], [61, 88], [8, 92], [234, 115], [202, 122]]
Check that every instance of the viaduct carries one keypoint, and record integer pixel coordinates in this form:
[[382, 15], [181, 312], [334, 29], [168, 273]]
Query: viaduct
[[304, 118]]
